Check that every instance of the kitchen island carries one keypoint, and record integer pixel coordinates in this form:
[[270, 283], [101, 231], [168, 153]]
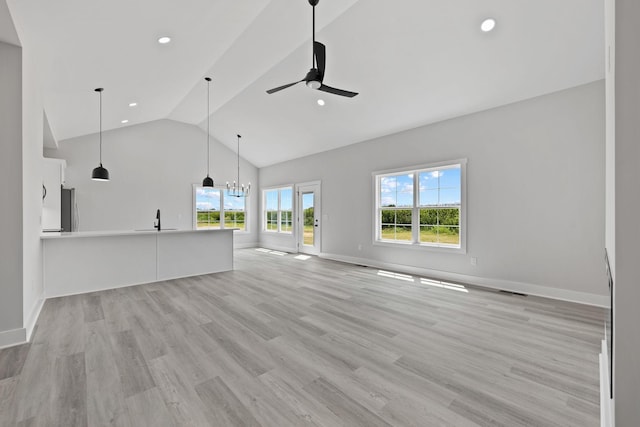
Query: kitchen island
[[81, 262]]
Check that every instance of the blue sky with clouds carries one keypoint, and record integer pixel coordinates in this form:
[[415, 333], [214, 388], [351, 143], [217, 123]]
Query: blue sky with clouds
[[437, 188], [208, 199]]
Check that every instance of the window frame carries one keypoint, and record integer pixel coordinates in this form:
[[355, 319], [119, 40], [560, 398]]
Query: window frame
[[222, 226], [279, 211], [415, 208]]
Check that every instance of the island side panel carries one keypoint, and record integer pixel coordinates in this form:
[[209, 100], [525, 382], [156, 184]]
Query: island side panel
[[191, 254], [87, 264]]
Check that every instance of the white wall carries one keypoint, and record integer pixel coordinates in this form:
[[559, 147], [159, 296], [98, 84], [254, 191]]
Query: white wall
[[151, 166], [32, 177], [627, 211], [10, 194], [535, 194]]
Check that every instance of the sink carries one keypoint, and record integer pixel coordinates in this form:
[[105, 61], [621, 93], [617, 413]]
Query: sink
[[154, 230]]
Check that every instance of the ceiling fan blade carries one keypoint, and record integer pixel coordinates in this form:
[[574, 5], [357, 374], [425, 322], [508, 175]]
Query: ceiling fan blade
[[335, 91], [279, 88], [319, 51]]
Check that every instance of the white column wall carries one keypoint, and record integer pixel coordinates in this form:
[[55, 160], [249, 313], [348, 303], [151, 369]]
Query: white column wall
[[627, 213]]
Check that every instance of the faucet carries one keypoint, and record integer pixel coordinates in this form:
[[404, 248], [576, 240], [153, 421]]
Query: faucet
[[156, 224]]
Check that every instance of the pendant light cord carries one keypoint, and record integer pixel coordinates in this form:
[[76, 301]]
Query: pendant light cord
[[313, 44], [239, 160], [100, 128], [208, 120]]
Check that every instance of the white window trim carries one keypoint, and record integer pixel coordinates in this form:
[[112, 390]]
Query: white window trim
[[417, 245], [279, 219], [194, 217]]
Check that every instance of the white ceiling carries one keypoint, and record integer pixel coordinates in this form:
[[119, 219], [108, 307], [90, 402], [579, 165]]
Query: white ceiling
[[413, 62]]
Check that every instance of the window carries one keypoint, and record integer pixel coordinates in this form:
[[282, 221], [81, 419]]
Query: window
[[214, 209], [422, 206], [278, 210]]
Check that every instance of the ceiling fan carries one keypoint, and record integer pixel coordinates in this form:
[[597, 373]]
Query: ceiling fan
[[315, 76]]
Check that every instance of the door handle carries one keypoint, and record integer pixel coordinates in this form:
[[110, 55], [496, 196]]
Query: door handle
[[44, 192]]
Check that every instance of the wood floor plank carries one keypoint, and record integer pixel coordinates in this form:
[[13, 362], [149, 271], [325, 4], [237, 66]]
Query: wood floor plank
[[105, 396], [223, 407], [69, 393], [130, 363], [282, 342]]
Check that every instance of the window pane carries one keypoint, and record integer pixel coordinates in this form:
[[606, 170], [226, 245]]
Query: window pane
[[387, 191], [428, 216], [450, 178], [232, 203], [286, 224], [286, 199], [234, 219], [428, 197], [440, 226], [449, 216], [395, 224], [430, 180], [396, 190], [449, 197], [271, 200], [207, 207], [208, 219], [272, 221], [429, 234]]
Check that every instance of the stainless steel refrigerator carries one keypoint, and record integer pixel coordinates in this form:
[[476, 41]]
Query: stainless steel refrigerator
[[69, 210]]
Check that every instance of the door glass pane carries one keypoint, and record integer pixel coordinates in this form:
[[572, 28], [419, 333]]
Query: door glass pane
[[307, 209]]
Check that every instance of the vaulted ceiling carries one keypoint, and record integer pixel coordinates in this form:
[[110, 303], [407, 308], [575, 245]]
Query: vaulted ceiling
[[413, 62]]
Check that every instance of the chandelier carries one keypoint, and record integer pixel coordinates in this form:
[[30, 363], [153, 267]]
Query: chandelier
[[236, 189]]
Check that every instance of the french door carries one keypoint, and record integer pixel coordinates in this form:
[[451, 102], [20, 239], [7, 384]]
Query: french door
[[308, 216]]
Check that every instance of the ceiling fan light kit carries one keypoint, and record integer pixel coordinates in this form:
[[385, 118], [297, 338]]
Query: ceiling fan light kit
[[315, 77]]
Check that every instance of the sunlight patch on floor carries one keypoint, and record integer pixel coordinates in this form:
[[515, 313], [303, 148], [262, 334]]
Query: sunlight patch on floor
[[444, 285], [269, 251], [393, 275], [302, 257]]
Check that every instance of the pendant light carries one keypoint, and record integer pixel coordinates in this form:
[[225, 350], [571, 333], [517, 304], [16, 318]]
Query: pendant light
[[100, 173], [208, 181], [237, 189]]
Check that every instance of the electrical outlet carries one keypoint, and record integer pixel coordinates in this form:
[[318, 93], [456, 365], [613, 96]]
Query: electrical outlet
[[474, 261], [359, 246]]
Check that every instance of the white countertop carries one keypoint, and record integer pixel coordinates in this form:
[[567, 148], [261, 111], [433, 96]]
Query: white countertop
[[111, 233]]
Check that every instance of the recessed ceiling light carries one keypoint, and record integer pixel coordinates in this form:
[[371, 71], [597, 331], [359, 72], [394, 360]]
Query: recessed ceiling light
[[321, 102], [124, 121], [488, 25], [164, 40], [133, 104]]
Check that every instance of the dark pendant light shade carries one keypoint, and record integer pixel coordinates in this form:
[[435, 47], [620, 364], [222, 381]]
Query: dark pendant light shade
[[208, 181], [100, 173]]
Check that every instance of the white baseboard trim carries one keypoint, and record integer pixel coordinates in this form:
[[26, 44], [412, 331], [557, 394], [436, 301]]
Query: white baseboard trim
[[30, 324], [244, 245], [13, 337], [500, 284]]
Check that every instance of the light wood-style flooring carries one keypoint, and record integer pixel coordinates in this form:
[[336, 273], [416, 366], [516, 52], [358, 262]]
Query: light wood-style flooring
[[283, 341]]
